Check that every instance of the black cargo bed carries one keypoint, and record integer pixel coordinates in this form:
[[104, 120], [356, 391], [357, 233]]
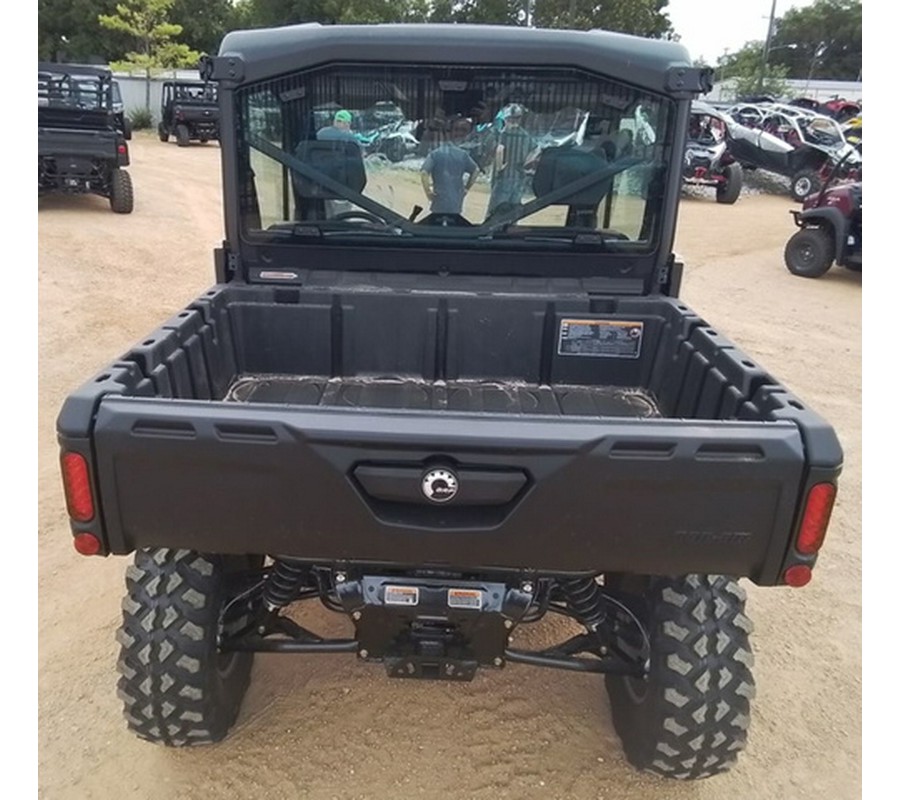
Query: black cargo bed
[[494, 397]]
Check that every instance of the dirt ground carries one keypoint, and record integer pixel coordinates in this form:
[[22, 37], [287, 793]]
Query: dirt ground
[[327, 727]]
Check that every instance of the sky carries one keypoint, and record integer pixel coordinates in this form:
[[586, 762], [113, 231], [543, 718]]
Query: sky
[[709, 27]]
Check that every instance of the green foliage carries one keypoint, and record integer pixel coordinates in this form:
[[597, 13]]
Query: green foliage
[[642, 17], [485, 12], [639, 17], [745, 68], [141, 119], [262, 13], [823, 40], [204, 22], [68, 30], [146, 22], [773, 83]]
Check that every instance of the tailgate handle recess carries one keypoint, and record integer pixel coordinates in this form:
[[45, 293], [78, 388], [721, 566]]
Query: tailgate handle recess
[[469, 487]]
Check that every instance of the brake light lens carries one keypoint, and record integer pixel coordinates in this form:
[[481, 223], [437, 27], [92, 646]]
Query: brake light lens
[[77, 485], [798, 575], [123, 149], [86, 544], [816, 516]]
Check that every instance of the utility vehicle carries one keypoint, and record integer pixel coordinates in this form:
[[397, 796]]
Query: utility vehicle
[[830, 231], [805, 147], [442, 426], [81, 142], [189, 111], [708, 161]]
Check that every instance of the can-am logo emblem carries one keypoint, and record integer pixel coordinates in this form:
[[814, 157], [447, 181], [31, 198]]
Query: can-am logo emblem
[[440, 485]]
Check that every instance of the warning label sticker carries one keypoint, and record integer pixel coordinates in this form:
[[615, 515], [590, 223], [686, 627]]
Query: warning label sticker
[[401, 595], [600, 338], [464, 598]]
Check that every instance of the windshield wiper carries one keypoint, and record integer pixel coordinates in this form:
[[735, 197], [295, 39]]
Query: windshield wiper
[[325, 228], [564, 238]]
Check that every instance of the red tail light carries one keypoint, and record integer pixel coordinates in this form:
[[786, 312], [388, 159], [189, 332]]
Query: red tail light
[[798, 575], [816, 516], [123, 149], [87, 544], [77, 484]]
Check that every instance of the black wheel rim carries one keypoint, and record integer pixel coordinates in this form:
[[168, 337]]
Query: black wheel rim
[[805, 253]]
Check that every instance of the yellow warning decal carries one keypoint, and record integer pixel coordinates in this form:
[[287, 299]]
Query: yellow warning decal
[[401, 595], [464, 598]]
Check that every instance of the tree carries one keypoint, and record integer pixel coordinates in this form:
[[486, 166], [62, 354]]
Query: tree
[[374, 11], [68, 30], [639, 17], [204, 22], [485, 12], [147, 22], [745, 68], [263, 13], [823, 41]]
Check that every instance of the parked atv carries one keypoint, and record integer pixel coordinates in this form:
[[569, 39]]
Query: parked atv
[[830, 232], [800, 145], [708, 161], [394, 140], [838, 108], [852, 129], [841, 109], [189, 111], [81, 144]]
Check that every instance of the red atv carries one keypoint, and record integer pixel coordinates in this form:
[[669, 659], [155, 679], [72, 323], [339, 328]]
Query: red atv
[[830, 231], [841, 109]]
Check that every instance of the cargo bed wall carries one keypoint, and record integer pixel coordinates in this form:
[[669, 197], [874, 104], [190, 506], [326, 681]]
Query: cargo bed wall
[[686, 366], [688, 369]]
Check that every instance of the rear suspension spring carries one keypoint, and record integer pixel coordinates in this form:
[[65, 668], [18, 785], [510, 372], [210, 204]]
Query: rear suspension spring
[[585, 599], [283, 583]]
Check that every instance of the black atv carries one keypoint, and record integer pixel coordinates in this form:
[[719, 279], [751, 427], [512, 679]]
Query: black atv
[[189, 111], [81, 145]]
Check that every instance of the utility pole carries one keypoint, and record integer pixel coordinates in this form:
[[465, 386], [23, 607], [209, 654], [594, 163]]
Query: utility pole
[[766, 46]]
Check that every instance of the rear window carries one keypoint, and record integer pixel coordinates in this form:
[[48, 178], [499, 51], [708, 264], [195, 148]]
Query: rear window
[[481, 155]]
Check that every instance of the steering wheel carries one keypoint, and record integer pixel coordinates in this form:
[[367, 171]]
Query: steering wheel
[[365, 216]]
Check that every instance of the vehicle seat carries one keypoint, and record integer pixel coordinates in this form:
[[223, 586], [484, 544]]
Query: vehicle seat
[[339, 159], [559, 166]]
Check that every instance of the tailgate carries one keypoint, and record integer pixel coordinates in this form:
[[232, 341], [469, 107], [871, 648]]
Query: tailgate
[[551, 495], [70, 141]]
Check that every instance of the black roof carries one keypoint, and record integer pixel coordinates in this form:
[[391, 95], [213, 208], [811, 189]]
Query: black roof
[[253, 55], [85, 70]]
